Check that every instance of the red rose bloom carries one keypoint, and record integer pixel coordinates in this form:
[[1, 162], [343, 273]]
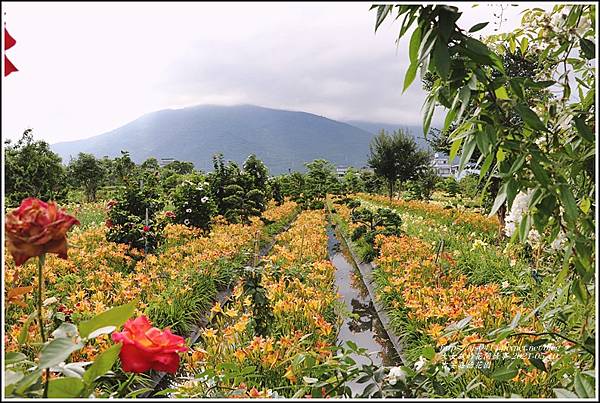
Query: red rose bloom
[[146, 228], [146, 347], [36, 228], [109, 223], [170, 214]]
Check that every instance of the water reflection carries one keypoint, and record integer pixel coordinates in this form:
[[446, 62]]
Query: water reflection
[[363, 327]]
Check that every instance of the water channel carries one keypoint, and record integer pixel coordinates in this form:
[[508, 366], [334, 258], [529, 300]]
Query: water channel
[[364, 327]]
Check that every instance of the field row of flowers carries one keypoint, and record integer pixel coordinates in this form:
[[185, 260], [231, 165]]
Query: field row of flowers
[[471, 333], [174, 287], [277, 328], [438, 212]]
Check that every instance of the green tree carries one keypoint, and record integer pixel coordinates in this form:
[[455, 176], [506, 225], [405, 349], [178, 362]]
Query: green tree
[[88, 173], [180, 167], [396, 158], [32, 170], [352, 181], [321, 179], [532, 142], [124, 167]]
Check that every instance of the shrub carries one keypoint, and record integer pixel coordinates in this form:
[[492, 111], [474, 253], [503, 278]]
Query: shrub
[[194, 204], [127, 217]]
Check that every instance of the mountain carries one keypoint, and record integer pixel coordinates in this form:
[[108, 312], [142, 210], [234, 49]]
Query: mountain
[[375, 128], [282, 139]]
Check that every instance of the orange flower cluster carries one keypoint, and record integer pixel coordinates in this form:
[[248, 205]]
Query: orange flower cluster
[[100, 274], [436, 211], [299, 280]]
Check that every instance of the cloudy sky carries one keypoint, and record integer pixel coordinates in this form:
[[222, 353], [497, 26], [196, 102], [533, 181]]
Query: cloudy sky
[[87, 68]]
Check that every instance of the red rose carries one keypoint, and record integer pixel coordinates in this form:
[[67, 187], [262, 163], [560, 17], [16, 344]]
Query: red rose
[[146, 347], [170, 214], [109, 223], [36, 228], [146, 228]]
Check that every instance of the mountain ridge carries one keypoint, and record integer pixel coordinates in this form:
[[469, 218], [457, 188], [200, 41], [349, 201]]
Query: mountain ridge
[[283, 139]]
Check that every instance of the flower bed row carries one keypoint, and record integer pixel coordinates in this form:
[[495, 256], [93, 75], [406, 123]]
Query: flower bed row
[[465, 336], [239, 357], [174, 287]]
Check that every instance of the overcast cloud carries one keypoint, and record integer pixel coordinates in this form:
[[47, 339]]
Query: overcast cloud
[[87, 68]]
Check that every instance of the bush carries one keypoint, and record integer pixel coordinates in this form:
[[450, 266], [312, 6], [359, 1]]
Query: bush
[[193, 204], [126, 217]]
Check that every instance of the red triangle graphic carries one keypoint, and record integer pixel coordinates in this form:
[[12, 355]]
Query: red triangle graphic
[[8, 66], [9, 41]]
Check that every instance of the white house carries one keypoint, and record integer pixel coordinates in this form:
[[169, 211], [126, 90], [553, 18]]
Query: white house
[[443, 167]]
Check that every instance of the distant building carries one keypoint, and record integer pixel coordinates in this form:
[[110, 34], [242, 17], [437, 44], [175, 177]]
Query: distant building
[[341, 170], [443, 167], [165, 161]]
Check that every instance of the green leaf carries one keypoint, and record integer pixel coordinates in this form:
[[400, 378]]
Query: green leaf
[[561, 393], [583, 386], [486, 165], [512, 44], [12, 377], [539, 172], [65, 387], [500, 155], [588, 47], [441, 58], [13, 357], [113, 317], [539, 364], [382, 12], [27, 381], [428, 352], [478, 27], [57, 351], [568, 201], [524, 45], [524, 227], [24, 334], [450, 116], [464, 96], [501, 93], [411, 73], [530, 117], [454, 149], [504, 374], [415, 41], [585, 205], [102, 364], [467, 152], [499, 201], [584, 129]]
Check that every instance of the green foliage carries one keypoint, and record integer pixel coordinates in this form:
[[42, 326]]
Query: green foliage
[[469, 186], [193, 203], [381, 221], [396, 157], [423, 186], [262, 312], [497, 93], [23, 377], [352, 182], [32, 170], [239, 194], [182, 304], [88, 173], [127, 215]]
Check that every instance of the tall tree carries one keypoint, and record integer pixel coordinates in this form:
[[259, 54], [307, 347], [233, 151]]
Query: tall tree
[[33, 170], [396, 158], [87, 172]]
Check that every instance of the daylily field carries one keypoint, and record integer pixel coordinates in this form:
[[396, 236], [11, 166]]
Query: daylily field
[[238, 322]]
